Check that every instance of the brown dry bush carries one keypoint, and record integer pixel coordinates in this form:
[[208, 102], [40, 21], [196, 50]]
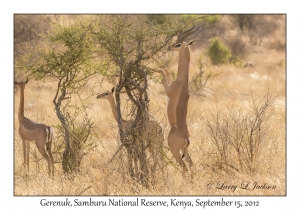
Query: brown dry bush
[[240, 135]]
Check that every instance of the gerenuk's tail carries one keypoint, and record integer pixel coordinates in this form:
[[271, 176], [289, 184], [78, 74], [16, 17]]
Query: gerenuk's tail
[[49, 136]]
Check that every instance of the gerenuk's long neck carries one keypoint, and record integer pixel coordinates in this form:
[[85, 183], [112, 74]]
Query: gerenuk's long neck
[[113, 106], [182, 105], [21, 106], [183, 65]]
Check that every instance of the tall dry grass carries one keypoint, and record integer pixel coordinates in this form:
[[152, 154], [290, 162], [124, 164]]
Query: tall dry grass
[[231, 88]]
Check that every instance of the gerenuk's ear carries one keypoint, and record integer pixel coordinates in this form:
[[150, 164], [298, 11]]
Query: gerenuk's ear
[[192, 42]]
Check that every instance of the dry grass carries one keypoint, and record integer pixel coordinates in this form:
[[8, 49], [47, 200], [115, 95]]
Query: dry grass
[[230, 89]]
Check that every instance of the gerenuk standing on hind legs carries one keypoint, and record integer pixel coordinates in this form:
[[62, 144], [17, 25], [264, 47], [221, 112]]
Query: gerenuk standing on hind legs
[[178, 95]]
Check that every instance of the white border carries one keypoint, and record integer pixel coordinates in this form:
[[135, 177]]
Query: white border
[[8, 201]]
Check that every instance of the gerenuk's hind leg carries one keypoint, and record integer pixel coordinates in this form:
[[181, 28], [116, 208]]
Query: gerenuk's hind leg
[[27, 154], [178, 158], [190, 161], [51, 157], [24, 152], [44, 154]]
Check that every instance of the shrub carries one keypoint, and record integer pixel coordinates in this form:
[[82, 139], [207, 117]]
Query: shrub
[[200, 79], [218, 52], [239, 135]]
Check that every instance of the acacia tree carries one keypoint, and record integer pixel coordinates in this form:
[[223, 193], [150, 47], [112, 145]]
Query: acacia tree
[[68, 60], [123, 41], [110, 45]]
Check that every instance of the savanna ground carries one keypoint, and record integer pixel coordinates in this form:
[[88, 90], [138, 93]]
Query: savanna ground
[[231, 87]]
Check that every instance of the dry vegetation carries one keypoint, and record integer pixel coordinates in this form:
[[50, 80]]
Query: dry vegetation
[[230, 89]]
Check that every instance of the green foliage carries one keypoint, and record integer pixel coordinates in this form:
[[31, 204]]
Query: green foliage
[[201, 19], [69, 53], [218, 52], [200, 79], [213, 19], [109, 45], [157, 18], [236, 60], [123, 41], [69, 60]]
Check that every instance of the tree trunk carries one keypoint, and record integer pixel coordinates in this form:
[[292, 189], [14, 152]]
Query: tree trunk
[[71, 155], [134, 140]]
